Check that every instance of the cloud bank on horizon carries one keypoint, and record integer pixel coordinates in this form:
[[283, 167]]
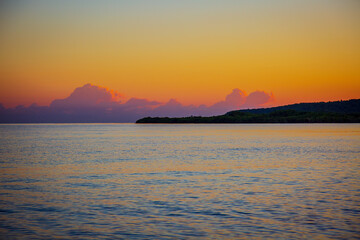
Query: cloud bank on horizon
[[91, 103]]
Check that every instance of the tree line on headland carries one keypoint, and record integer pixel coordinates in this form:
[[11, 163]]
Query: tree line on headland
[[322, 112]]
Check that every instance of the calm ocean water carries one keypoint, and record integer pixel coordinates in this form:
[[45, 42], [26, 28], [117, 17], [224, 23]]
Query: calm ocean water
[[127, 181]]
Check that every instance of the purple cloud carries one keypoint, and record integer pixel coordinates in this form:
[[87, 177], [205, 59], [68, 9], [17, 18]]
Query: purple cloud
[[258, 99], [87, 96], [232, 101], [91, 103]]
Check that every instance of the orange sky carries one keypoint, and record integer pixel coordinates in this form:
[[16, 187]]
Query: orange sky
[[194, 52]]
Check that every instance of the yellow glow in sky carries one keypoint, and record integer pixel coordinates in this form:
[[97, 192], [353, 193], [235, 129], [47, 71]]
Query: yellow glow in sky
[[196, 52]]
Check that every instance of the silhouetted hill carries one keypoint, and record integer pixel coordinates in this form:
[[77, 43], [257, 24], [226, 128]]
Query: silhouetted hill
[[349, 106], [330, 112]]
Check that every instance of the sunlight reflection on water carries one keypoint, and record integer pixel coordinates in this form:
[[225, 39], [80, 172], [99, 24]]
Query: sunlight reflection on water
[[180, 181]]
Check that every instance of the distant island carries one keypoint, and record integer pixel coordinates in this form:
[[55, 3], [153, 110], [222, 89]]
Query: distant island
[[321, 112]]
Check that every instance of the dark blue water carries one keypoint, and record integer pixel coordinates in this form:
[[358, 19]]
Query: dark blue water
[[127, 181]]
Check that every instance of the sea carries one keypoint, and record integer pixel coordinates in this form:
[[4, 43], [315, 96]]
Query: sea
[[180, 181]]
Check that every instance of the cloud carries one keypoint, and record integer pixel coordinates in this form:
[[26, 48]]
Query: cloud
[[236, 98], [258, 99], [91, 103], [140, 103], [232, 101], [173, 108], [87, 96]]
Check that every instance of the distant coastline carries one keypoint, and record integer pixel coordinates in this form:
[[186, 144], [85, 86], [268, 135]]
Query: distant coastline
[[321, 112]]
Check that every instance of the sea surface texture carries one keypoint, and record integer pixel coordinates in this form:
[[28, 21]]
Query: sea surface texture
[[127, 181]]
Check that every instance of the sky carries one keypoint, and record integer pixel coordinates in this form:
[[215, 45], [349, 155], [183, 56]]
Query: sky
[[195, 52]]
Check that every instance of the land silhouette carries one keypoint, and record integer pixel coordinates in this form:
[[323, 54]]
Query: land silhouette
[[321, 112]]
